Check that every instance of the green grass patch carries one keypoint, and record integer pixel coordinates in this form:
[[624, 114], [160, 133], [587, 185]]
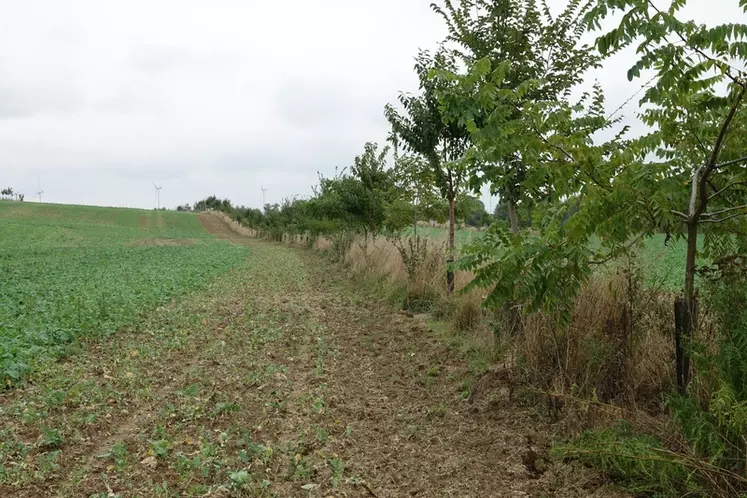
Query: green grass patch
[[75, 271]]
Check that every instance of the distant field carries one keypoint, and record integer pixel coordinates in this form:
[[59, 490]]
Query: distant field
[[76, 271], [462, 236], [662, 265]]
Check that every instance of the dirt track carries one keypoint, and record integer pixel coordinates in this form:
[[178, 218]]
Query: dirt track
[[282, 379]]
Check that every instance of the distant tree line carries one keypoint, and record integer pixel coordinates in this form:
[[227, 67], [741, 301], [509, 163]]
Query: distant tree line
[[11, 195], [368, 198]]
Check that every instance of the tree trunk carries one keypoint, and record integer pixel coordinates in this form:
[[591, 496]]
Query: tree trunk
[[415, 219], [450, 258], [452, 223], [692, 250], [512, 309], [513, 216], [686, 310]]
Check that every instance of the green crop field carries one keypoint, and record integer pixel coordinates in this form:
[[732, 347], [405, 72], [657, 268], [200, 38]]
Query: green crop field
[[75, 271], [461, 236], [662, 266]]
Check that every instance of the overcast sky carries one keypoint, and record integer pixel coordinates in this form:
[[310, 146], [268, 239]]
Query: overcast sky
[[100, 98]]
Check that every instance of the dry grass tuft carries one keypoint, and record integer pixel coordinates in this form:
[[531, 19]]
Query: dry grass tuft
[[468, 313], [616, 348]]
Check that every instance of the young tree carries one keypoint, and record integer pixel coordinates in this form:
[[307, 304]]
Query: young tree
[[506, 44], [357, 200], [685, 177], [416, 191], [374, 189], [695, 107], [423, 130]]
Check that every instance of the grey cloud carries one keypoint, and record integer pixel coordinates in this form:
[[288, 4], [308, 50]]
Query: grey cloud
[[129, 100], [203, 96], [155, 58], [18, 100], [303, 103]]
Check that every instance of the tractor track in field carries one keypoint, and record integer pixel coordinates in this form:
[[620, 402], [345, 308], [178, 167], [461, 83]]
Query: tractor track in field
[[280, 379]]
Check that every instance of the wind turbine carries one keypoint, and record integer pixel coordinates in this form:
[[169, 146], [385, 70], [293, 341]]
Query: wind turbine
[[40, 192], [263, 195], [158, 196]]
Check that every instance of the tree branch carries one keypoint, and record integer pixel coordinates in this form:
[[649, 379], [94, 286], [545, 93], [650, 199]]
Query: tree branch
[[727, 187], [567, 154], [724, 65], [709, 220], [731, 163], [727, 210], [694, 193], [612, 255], [703, 187], [697, 139], [629, 99]]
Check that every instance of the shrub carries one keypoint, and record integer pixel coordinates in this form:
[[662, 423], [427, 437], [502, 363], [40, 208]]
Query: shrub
[[341, 242], [414, 253]]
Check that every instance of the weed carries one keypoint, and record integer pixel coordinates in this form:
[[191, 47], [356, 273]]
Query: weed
[[55, 397], [240, 478], [338, 468], [322, 435], [190, 391], [439, 411], [50, 437], [300, 468], [159, 448], [118, 453], [225, 408]]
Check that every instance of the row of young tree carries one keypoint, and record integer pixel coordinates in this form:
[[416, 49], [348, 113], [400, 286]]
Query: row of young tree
[[502, 104], [367, 198], [496, 108]]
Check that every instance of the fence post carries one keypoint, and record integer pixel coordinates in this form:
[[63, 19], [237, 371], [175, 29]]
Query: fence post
[[450, 274]]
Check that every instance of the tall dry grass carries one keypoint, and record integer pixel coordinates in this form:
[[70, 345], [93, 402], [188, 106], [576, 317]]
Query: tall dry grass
[[617, 347], [234, 225], [418, 266]]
